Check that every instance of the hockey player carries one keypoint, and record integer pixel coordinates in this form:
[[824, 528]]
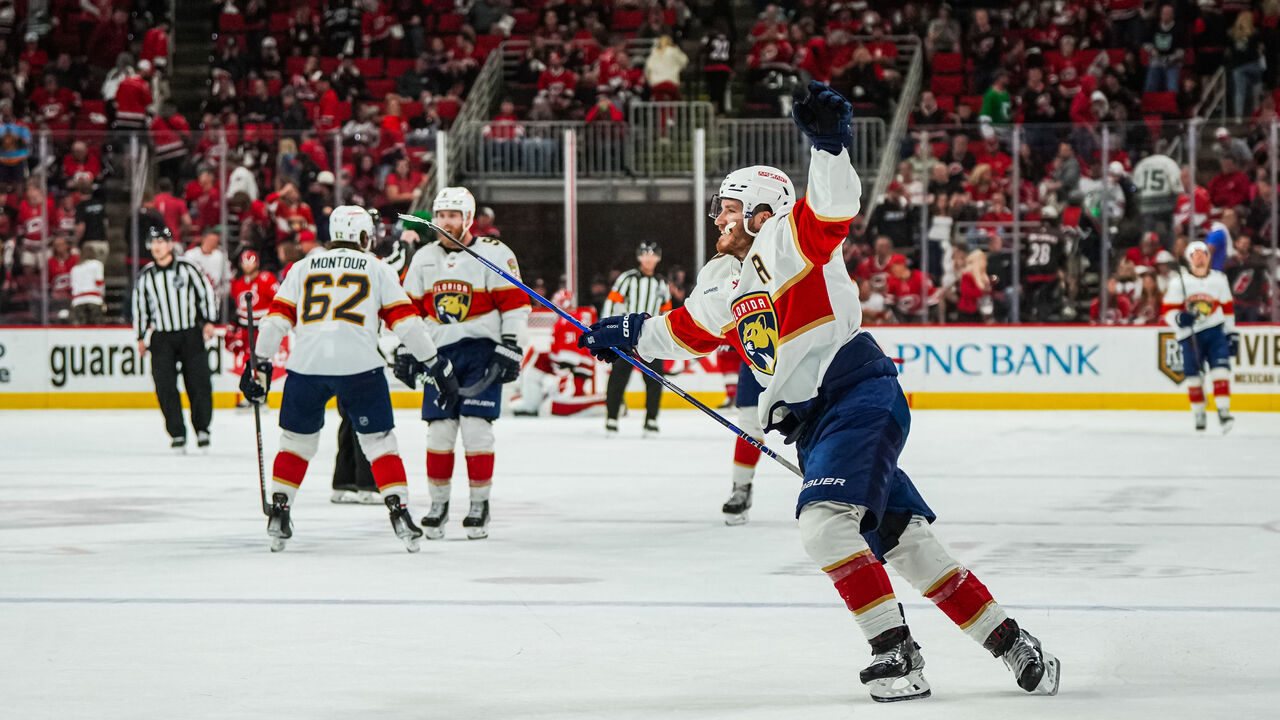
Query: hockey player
[[745, 455], [259, 287], [335, 301], [475, 317], [1199, 306], [780, 291], [566, 372]]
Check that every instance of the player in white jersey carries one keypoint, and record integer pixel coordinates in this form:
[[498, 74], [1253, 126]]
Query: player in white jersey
[[1159, 182], [335, 301], [780, 293], [475, 317], [1199, 305]]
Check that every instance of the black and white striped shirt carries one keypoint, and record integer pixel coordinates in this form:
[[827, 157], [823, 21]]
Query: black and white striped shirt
[[635, 292], [174, 297]]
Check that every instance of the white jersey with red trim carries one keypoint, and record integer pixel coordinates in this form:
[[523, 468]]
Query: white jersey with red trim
[[1208, 297], [461, 298], [336, 300], [789, 307]]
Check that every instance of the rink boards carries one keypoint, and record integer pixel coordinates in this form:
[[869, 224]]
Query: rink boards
[[951, 367]]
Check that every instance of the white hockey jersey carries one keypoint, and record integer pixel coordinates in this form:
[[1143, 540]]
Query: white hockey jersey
[[461, 298], [336, 300], [1208, 297], [789, 307], [1159, 182]]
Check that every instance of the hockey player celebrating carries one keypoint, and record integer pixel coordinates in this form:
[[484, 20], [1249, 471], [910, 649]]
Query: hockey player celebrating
[[475, 317], [334, 301], [780, 291], [1199, 307]]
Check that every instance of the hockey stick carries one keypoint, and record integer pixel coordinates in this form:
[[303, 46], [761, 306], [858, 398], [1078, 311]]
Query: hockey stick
[[257, 412], [629, 357], [1195, 344]]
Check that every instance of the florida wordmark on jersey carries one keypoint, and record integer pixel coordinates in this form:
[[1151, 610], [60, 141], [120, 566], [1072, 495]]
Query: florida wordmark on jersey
[[464, 299], [1209, 297], [336, 301], [789, 307]]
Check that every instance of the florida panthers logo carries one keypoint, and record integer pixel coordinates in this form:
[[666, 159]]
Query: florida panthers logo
[[452, 300], [758, 330], [1202, 305]]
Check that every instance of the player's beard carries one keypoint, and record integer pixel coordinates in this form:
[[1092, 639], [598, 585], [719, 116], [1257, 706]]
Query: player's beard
[[736, 242]]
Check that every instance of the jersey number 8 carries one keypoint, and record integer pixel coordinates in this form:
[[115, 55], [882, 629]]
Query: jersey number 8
[[316, 302]]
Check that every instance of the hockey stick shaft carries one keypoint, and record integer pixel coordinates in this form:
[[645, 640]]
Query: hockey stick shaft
[[629, 357], [257, 410]]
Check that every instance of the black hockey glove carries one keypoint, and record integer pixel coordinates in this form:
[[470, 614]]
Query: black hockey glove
[[1233, 343], [617, 333], [440, 374], [506, 358], [825, 116], [1185, 318], [407, 367], [255, 381]]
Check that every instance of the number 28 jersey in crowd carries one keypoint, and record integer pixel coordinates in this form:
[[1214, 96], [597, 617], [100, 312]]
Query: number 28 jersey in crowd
[[336, 301]]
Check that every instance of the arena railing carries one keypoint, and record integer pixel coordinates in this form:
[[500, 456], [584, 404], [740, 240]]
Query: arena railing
[[897, 128]]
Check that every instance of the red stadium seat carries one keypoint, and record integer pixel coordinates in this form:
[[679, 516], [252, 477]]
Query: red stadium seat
[[231, 23], [627, 19], [940, 148], [381, 88], [92, 118], [948, 63], [1160, 102], [329, 64], [947, 84], [280, 23], [1087, 56], [449, 23], [294, 65], [397, 67], [486, 44], [1116, 55], [526, 21], [1154, 124], [410, 109], [973, 101], [369, 67], [946, 102], [669, 18], [342, 112]]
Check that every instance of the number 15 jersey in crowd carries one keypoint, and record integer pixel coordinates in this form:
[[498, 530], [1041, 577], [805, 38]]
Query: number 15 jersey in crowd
[[336, 300]]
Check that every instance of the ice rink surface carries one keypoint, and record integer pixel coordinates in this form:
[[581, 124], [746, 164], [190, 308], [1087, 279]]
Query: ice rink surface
[[135, 584]]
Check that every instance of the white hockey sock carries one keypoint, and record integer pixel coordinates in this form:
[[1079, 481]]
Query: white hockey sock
[[743, 475]]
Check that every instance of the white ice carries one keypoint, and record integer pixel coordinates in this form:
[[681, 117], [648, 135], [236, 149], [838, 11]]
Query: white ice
[[135, 584]]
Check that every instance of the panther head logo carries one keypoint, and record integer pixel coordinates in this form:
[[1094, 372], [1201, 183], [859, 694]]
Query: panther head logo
[[758, 330], [452, 300]]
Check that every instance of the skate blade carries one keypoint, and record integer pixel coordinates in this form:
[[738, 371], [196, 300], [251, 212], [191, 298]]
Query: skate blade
[[1227, 425], [1052, 675], [433, 533], [368, 497], [477, 533], [911, 686], [735, 519], [344, 497], [412, 544], [277, 543]]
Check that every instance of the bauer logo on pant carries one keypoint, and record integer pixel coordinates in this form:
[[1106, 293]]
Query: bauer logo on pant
[[452, 300], [1169, 356], [758, 330]]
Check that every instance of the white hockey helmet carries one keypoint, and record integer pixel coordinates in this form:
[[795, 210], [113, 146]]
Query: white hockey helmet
[[1195, 247], [755, 186], [456, 198], [353, 224]]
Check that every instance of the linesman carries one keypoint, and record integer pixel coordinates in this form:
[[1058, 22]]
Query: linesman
[[174, 304], [637, 291]]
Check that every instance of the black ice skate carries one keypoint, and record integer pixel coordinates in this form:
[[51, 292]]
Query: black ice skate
[[1201, 419], [433, 522], [650, 428], [611, 428], [1226, 420], [402, 523], [1035, 670], [279, 526], [735, 510], [476, 523], [178, 445], [896, 671], [202, 440]]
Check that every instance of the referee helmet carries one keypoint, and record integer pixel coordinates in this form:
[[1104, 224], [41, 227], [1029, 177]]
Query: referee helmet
[[647, 248]]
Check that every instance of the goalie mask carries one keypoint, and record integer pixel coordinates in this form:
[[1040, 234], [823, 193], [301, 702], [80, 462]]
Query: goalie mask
[[351, 224], [755, 186], [456, 198]]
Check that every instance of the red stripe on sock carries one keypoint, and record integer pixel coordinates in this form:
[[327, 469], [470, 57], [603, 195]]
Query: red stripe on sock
[[863, 587], [744, 453], [480, 468], [388, 472], [439, 465], [1196, 394], [961, 598], [288, 468], [1221, 388]]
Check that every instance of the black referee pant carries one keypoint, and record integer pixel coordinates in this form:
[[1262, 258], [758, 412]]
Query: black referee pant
[[617, 387], [185, 348], [351, 469]]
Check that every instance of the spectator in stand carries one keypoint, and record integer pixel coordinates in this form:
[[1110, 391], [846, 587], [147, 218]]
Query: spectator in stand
[[172, 208], [974, 303], [1064, 175], [1165, 45], [556, 85], [662, 69], [604, 111], [213, 262], [109, 39], [989, 153], [1227, 146], [348, 83], [31, 225], [260, 106], [417, 80], [1243, 56], [943, 33], [485, 14], [717, 63], [1247, 272], [403, 187], [873, 272], [91, 223], [132, 98], [54, 107], [172, 137], [1150, 301], [896, 218], [484, 226], [270, 64], [986, 48], [87, 284], [1147, 252], [1230, 187], [997, 109], [910, 292], [80, 165], [61, 262], [15, 145], [155, 44]]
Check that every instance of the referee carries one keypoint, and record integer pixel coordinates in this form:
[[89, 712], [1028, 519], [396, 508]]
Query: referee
[[174, 300], [637, 291]]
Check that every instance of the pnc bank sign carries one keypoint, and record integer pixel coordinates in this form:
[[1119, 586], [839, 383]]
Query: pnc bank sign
[[998, 359]]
